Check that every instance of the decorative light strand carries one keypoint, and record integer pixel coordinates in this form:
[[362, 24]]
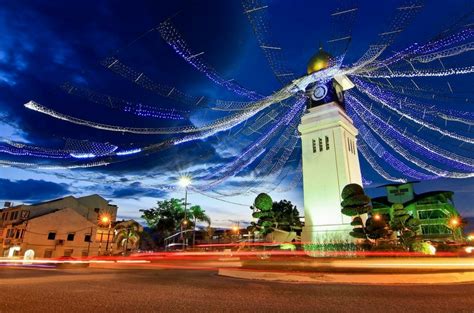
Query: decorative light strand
[[415, 144], [362, 148], [125, 106], [381, 152], [379, 97], [172, 37]]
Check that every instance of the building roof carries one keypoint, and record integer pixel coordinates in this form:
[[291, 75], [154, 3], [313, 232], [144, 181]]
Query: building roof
[[418, 197], [51, 201], [36, 216], [48, 213], [398, 184]]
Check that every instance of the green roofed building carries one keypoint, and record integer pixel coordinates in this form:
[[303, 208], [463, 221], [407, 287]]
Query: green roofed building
[[440, 221]]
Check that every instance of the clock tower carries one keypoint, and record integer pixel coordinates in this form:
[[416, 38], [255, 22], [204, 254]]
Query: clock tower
[[329, 156]]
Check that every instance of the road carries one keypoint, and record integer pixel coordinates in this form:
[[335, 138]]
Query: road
[[105, 290]]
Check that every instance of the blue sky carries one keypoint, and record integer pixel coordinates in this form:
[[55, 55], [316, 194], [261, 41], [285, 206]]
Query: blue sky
[[47, 43]]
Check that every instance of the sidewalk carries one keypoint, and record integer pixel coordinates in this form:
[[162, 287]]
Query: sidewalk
[[345, 278]]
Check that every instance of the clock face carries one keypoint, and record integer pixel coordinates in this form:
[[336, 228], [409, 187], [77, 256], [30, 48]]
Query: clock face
[[319, 92]]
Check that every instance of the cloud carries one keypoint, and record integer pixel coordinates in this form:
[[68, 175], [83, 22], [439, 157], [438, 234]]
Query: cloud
[[31, 189], [136, 190]]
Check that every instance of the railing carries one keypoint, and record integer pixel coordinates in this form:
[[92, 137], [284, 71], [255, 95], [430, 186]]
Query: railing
[[174, 236]]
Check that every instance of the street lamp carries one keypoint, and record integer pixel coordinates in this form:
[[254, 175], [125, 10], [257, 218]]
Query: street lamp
[[454, 222], [105, 220], [185, 181], [236, 230], [377, 217]]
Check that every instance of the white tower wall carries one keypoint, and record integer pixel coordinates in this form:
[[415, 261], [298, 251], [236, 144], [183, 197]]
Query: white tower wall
[[330, 162]]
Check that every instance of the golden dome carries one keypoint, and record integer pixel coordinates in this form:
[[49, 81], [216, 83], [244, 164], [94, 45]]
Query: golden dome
[[319, 61]]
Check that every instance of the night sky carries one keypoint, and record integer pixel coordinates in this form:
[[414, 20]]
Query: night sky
[[45, 44]]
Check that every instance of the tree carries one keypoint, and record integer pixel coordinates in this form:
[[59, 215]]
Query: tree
[[167, 217], [282, 215], [198, 214], [356, 203], [405, 224], [127, 235], [286, 216], [262, 210], [377, 228]]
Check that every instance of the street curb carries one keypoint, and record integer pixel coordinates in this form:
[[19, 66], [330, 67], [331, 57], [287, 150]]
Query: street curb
[[358, 279]]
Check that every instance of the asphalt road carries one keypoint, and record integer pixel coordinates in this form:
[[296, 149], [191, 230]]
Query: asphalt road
[[99, 290]]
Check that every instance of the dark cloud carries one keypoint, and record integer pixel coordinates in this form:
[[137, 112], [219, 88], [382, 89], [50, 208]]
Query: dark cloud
[[31, 189], [136, 190]]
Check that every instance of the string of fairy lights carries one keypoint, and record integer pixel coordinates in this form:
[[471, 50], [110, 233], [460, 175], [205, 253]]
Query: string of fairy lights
[[406, 130]]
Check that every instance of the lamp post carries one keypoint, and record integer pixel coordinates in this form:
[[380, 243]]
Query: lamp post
[[454, 222], [185, 181], [104, 219], [108, 237], [236, 229]]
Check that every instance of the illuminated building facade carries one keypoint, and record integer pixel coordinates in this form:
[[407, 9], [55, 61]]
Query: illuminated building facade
[[435, 210]]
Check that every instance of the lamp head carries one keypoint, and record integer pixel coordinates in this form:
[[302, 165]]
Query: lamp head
[[184, 181]]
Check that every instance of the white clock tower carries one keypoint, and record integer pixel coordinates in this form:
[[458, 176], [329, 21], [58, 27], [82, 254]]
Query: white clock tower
[[330, 159]]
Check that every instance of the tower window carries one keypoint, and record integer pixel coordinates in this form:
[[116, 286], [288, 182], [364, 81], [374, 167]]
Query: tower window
[[348, 144], [327, 142], [320, 144], [51, 235], [314, 146]]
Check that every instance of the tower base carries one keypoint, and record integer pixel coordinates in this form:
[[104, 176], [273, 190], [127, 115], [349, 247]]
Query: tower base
[[328, 241], [322, 234]]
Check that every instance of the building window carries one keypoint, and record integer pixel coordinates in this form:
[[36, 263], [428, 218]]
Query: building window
[[87, 238], [435, 230], [431, 214], [52, 235], [85, 253], [17, 234], [68, 252], [314, 146], [48, 254], [22, 233], [70, 237], [320, 144], [327, 142], [10, 233]]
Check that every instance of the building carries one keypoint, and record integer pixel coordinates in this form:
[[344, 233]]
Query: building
[[69, 227], [435, 210], [329, 156]]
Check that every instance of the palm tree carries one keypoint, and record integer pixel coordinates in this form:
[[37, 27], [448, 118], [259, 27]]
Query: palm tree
[[126, 233], [198, 214]]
